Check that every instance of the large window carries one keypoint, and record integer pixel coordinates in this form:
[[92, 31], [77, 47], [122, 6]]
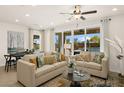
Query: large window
[[87, 39], [93, 39], [58, 41], [79, 41], [68, 40]]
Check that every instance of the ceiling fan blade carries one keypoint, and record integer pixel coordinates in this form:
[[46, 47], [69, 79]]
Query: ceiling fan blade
[[83, 18], [89, 12], [67, 13]]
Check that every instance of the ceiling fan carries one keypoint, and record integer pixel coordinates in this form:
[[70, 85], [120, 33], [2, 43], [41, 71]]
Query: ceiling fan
[[77, 14]]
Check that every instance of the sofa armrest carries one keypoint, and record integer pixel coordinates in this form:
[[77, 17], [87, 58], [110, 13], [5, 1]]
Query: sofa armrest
[[105, 66], [26, 73], [105, 62]]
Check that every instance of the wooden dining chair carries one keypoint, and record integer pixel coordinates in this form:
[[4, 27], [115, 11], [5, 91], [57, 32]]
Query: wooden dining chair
[[9, 62]]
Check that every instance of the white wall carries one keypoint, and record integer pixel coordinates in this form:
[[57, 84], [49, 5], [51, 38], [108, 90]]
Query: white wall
[[4, 27], [116, 28]]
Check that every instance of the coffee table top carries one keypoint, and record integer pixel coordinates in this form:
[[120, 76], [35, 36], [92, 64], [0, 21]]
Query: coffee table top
[[76, 77]]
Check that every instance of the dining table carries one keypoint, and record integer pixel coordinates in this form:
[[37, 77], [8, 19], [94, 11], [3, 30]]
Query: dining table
[[17, 55], [12, 58]]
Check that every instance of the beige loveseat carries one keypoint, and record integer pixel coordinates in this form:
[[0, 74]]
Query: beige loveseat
[[100, 70], [28, 75]]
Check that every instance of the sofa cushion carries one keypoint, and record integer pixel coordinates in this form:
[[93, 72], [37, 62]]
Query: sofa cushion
[[59, 64], [92, 55], [90, 65], [43, 70], [85, 55]]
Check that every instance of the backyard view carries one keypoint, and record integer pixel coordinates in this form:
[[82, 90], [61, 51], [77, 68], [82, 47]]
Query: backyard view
[[89, 41], [93, 39]]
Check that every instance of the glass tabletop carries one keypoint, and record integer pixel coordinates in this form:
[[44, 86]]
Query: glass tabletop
[[76, 76]]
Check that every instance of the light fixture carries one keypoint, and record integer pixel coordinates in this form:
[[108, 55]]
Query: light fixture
[[114, 9], [77, 16], [17, 20], [27, 15]]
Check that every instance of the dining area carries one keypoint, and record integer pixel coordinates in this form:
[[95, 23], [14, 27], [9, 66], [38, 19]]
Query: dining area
[[11, 60]]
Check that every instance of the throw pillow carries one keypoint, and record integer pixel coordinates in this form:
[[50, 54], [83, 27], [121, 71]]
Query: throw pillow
[[86, 56], [49, 59], [79, 58], [33, 61], [98, 58], [63, 58], [102, 54], [57, 56], [40, 61]]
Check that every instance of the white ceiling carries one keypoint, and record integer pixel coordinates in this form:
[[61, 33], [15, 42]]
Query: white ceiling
[[48, 15]]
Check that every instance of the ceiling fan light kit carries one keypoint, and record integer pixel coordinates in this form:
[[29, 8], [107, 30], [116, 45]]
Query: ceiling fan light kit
[[77, 14]]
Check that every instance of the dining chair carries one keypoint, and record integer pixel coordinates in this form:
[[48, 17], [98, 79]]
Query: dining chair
[[9, 62]]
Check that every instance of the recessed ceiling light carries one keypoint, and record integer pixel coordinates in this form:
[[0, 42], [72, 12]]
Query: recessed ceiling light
[[27, 15], [17, 20], [114, 9]]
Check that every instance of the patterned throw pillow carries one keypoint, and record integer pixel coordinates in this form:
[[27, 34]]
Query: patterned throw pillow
[[57, 56], [50, 59], [33, 61], [98, 58], [86, 56], [79, 58], [40, 61]]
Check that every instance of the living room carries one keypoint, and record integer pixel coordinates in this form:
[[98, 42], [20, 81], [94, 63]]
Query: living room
[[61, 45]]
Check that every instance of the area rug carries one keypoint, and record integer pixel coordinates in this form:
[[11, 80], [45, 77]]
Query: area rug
[[61, 82], [93, 82]]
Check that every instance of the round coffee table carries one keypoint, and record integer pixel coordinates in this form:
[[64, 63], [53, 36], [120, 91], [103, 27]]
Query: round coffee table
[[75, 78]]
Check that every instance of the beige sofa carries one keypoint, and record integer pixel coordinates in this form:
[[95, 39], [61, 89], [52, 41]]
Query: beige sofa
[[28, 75], [100, 70]]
